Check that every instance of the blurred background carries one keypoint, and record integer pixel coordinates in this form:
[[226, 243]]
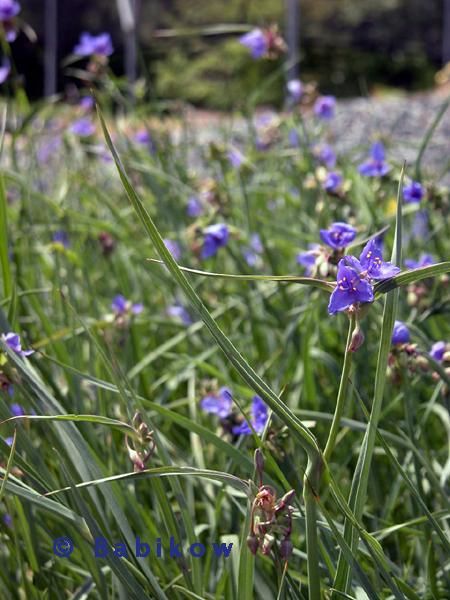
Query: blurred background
[[188, 50]]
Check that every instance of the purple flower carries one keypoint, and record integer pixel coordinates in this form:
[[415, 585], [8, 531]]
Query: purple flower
[[371, 263], [7, 519], [47, 149], [413, 192], [8, 9], [87, 103], [174, 248], [142, 137], [94, 44], [326, 155], [424, 261], [308, 259], [332, 182], [215, 236], [194, 207], [218, 404], [420, 226], [82, 127], [5, 69], [400, 333], [12, 340], [121, 306], [17, 410], [256, 248], [438, 350], [259, 418], [9, 441], [350, 288], [293, 138], [256, 42], [375, 165], [61, 237], [255, 243], [338, 236], [179, 312], [295, 89], [235, 158], [324, 107]]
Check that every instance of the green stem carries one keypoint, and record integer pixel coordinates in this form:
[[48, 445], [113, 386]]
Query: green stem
[[342, 395], [311, 484]]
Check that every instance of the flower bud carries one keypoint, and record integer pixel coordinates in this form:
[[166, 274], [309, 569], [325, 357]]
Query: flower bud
[[252, 544], [267, 544], [357, 339], [259, 461], [286, 548]]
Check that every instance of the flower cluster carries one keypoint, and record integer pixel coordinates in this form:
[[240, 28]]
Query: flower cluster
[[145, 444], [355, 276], [271, 520], [220, 403]]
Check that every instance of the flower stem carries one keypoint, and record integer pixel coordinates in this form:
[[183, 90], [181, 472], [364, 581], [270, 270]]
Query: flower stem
[[311, 484], [342, 395]]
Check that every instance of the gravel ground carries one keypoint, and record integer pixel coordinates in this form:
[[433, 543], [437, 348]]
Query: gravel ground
[[401, 121]]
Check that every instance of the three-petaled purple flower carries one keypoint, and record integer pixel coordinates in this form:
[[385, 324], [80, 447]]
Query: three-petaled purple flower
[[350, 289], [83, 127], [12, 340], [295, 89], [121, 306], [256, 42], [375, 165], [218, 404], [400, 333], [8, 9], [259, 418], [338, 236], [332, 182], [424, 261], [215, 236], [371, 263], [324, 107], [413, 192], [94, 44], [438, 350]]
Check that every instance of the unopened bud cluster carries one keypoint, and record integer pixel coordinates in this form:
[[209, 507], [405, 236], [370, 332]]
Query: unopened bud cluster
[[271, 520], [144, 441]]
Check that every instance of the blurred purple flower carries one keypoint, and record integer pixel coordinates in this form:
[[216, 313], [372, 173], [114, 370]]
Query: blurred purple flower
[[9, 441], [325, 154], [350, 288], [294, 140], [375, 165], [400, 333], [218, 404], [173, 247], [424, 261], [121, 306], [5, 69], [308, 259], [87, 103], [17, 410], [420, 226], [7, 519], [438, 350], [324, 107], [413, 192], [256, 42], [259, 418], [12, 340], [371, 263], [179, 312], [47, 149], [235, 157], [295, 89], [215, 237], [338, 236], [61, 237], [332, 182], [94, 44], [82, 127], [8, 9], [194, 207]]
